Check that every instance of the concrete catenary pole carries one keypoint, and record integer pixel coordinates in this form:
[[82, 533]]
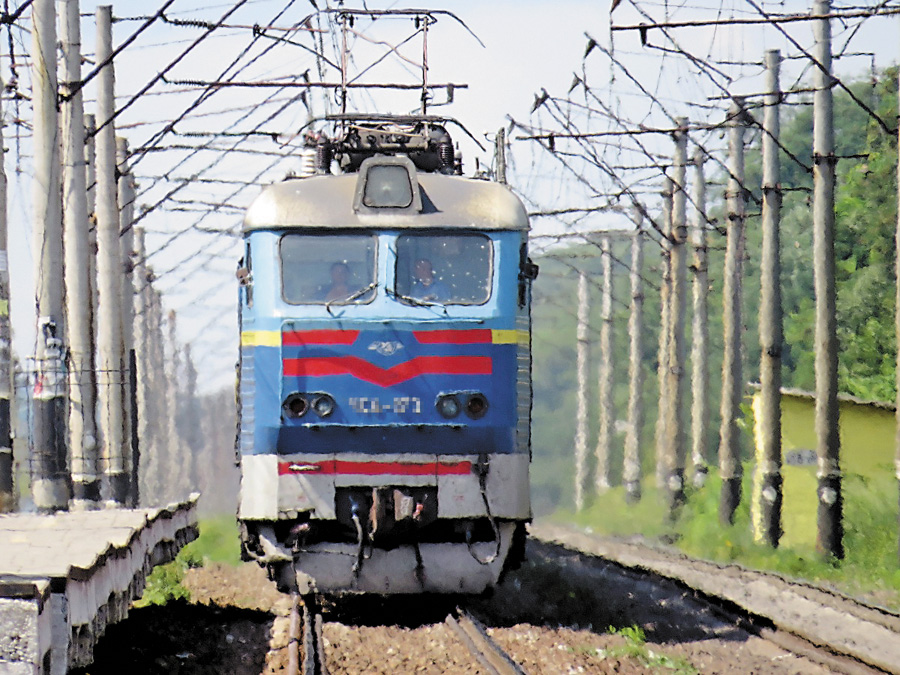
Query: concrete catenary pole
[[190, 427], [676, 445], [631, 470], [770, 314], [581, 414], [50, 486], [143, 360], [732, 369], [830, 530], [700, 411], [111, 381], [154, 467], [897, 318], [160, 383], [662, 358], [126, 199], [175, 454], [605, 402], [7, 484], [82, 419], [90, 160]]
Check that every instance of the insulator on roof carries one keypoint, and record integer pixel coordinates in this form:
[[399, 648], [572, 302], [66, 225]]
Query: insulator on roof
[[307, 163], [445, 153], [323, 156]]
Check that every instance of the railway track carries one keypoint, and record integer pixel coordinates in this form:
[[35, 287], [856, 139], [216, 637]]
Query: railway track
[[818, 623], [470, 631], [632, 585], [306, 647], [570, 608]]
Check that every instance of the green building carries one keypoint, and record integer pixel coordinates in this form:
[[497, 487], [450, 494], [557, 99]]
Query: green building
[[868, 431]]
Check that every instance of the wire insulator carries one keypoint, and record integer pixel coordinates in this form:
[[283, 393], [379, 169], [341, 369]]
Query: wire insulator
[[323, 156], [445, 154]]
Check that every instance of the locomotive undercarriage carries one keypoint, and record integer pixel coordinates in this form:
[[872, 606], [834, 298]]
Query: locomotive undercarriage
[[385, 540]]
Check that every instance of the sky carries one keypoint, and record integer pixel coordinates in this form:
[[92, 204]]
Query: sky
[[522, 48]]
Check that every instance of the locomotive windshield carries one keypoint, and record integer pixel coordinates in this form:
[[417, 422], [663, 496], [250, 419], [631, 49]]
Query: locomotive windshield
[[334, 269], [449, 269]]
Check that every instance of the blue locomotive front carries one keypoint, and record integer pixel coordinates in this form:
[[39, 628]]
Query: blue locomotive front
[[385, 388]]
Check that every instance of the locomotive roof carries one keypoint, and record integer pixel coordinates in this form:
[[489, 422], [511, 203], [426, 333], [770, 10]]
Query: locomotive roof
[[327, 202]]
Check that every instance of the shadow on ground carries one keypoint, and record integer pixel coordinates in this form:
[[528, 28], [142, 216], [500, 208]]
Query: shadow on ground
[[560, 588], [184, 639]]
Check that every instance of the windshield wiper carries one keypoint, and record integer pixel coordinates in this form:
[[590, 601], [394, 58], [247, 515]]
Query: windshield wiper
[[416, 302], [350, 298]]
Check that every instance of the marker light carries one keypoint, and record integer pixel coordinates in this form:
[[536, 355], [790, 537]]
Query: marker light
[[323, 405], [448, 406], [476, 406], [295, 405]]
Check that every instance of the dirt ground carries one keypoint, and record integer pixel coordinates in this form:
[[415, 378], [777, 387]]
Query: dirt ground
[[552, 616]]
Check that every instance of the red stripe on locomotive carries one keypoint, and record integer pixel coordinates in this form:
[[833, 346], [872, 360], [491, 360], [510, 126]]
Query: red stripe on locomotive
[[369, 372], [454, 337], [295, 338], [343, 467]]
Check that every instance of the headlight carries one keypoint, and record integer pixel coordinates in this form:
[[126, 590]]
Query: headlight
[[323, 405], [387, 186], [476, 406], [295, 406], [448, 406]]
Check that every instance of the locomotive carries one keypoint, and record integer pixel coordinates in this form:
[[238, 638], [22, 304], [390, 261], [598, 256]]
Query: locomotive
[[385, 368]]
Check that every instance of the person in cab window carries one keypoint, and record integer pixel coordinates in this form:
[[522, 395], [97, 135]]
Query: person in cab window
[[425, 285], [340, 284]]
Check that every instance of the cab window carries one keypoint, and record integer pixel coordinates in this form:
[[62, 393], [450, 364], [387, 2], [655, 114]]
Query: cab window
[[332, 269], [446, 269]]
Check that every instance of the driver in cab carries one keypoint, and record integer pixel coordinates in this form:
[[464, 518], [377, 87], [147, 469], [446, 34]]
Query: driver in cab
[[425, 285]]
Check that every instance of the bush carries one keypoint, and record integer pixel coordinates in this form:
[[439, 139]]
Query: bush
[[218, 542]]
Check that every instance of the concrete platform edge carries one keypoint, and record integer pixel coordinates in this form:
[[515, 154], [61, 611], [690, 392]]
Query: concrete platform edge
[[49, 624]]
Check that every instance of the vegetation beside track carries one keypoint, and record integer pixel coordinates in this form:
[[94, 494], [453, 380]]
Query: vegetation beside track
[[869, 570], [218, 542]]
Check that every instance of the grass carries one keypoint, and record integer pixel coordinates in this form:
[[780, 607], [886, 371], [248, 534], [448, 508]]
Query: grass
[[218, 542], [869, 569], [635, 647]]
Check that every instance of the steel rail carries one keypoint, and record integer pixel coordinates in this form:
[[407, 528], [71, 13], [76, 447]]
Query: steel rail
[[483, 648], [313, 644]]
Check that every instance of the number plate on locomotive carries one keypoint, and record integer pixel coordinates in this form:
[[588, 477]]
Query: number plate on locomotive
[[399, 404]]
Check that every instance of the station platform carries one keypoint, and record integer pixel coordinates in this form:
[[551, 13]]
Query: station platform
[[65, 577]]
